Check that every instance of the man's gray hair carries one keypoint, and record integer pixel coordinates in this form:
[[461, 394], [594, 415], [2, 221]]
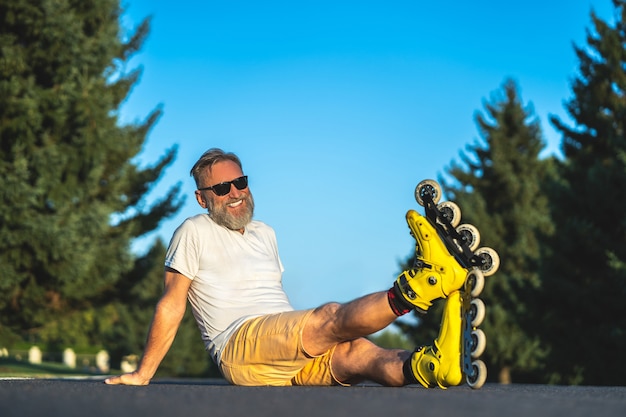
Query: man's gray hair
[[210, 158]]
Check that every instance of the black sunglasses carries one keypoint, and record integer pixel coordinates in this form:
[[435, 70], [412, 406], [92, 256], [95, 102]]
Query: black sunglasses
[[223, 188]]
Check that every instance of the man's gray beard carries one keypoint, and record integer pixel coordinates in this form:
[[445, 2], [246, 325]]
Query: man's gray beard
[[221, 216]]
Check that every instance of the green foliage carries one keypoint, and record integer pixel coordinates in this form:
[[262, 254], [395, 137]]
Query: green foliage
[[392, 339], [585, 279], [22, 369], [502, 191], [187, 356], [72, 198]]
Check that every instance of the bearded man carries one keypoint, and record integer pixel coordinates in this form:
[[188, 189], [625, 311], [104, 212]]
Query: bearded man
[[227, 266]]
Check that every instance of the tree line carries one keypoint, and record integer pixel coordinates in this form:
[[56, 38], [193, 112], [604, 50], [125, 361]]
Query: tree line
[[555, 308], [73, 201], [72, 198]]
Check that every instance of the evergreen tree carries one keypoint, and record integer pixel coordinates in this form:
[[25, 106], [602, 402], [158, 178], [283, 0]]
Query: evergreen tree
[[498, 188], [72, 197], [120, 326], [585, 277]]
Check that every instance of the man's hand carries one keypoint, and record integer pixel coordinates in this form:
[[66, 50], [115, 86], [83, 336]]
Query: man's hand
[[127, 379]]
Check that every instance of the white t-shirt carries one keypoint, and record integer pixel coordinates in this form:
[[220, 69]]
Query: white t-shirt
[[235, 276]]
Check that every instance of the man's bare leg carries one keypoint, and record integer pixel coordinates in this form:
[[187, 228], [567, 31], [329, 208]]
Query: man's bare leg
[[334, 323], [355, 358], [359, 359]]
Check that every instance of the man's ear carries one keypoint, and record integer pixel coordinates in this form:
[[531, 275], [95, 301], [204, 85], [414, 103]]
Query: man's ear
[[201, 200]]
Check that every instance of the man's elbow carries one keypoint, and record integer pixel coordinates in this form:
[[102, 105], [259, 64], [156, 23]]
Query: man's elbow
[[171, 309]]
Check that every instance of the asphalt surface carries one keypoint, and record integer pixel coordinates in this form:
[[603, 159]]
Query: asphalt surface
[[192, 398]]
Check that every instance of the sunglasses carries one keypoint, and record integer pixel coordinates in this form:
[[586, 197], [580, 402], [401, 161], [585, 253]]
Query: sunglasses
[[223, 188]]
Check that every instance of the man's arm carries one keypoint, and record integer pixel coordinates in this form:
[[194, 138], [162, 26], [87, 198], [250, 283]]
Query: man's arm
[[168, 314]]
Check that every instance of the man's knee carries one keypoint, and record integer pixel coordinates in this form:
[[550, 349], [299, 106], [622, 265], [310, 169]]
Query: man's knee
[[352, 358], [325, 316], [322, 324]]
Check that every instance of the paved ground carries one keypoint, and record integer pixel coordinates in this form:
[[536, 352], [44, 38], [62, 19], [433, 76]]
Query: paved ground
[[194, 398]]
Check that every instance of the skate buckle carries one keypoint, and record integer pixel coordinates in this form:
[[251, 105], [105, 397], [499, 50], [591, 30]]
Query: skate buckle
[[406, 288], [420, 264]]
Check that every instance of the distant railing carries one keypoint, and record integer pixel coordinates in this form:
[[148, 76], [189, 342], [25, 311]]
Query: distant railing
[[98, 362]]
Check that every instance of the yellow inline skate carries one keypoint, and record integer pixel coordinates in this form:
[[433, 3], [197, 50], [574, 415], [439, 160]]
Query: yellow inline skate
[[446, 253], [454, 353], [448, 264]]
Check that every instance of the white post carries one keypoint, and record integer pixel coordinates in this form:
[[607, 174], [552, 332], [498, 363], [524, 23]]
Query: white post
[[129, 363], [34, 355], [102, 361], [69, 358]]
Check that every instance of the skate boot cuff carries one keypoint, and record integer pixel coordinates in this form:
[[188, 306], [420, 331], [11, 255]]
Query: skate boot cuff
[[407, 371], [397, 302]]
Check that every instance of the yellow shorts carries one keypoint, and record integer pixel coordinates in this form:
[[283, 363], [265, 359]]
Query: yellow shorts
[[268, 350]]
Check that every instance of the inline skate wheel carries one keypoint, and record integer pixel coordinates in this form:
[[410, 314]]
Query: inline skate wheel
[[489, 261], [451, 211], [477, 312], [427, 187], [478, 344], [478, 374], [475, 282], [470, 234]]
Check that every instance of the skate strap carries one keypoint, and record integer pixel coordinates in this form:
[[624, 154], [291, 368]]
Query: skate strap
[[398, 304], [407, 371]]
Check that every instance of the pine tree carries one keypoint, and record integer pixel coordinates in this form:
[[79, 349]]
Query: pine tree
[[585, 278], [72, 197], [498, 188]]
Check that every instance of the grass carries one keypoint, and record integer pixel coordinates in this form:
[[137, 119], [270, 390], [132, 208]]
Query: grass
[[12, 368]]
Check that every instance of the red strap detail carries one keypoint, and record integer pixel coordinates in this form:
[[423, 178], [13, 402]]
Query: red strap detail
[[396, 304]]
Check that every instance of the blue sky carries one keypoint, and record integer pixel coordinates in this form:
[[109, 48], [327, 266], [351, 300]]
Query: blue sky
[[339, 108]]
